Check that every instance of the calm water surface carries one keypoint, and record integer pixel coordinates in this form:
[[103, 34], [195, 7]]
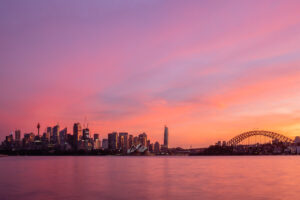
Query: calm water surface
[[169, 178]]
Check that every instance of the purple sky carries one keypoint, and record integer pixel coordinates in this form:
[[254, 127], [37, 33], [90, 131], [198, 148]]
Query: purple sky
[[207, 69]]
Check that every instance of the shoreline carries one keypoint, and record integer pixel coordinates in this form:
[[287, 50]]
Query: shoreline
[[88, 155]]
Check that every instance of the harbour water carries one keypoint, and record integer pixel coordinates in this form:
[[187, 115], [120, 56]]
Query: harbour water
[[168, 178]]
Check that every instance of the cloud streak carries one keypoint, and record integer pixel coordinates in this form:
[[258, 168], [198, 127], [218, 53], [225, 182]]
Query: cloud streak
[[208, 70]]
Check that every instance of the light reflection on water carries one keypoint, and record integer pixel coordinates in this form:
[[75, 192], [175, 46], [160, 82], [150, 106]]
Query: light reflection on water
[[170, 178]]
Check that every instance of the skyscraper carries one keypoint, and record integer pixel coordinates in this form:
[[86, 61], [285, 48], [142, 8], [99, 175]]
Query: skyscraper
[[151, 147], [166, 137], [55, 131], [156, 148], [49, 133], [148, 143], [97, 141], [136, 140], [113, 141], [130, 141], [143, 139], [105, 143], [9, 138], [96, 136], [77, 133], [123, 141], [17, 135], [63, 135], [86, 134]]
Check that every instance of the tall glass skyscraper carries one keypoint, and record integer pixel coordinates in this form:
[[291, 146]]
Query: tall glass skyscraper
[[18, 135], [113, 141], [55, 131], [77, 133], [166, 137]]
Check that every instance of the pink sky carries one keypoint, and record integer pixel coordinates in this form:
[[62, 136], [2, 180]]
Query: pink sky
[[208, 69]]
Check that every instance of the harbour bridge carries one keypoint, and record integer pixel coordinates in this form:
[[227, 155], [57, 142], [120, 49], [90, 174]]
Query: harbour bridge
[[276, 136]]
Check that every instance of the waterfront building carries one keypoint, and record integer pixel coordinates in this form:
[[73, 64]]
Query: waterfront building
[[96, 141], [297, 140], [130, 141], [148, 143], [86, 134], [136, 141], [17, 135], [28, 138], [105, 143], [123, 141], [96, 136], [298, 150], [55, 131], [70, 139], [97, 144], [166, 138], [49, 133], [63, 135], [87, 145], [77, 134], [151, 147], [120, 141], [156, 148], [143, 139], [224, 143], [9, 138], [113, 141], [37, 138], [44, 138]]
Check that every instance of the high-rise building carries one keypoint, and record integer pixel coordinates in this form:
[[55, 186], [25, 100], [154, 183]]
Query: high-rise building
[[151, 147], [77, 134], [9, 138], [70, 139], [49, 133], [156, 148], [28, 138], [120, 142], [123, 141], [148, 143], [96, 144], [44, 138], [297, 140], [136, 141], [166, 138], [113, 141], [63, 135], [86, 134], [143, 139], [17, 135], [55, 131], [130, 141], [105, 143], [97, 141], [96, 136]]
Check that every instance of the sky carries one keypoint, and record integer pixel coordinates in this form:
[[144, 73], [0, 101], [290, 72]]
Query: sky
[[209, 70]]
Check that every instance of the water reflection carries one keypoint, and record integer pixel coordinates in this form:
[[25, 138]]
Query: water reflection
[[149, 177]]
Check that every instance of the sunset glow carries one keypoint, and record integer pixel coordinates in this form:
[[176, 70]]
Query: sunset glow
[[209, 70]]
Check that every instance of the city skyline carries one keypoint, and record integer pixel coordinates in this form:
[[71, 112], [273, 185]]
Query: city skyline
[[209, 70], [78, 131], [83, 141], [56, 140]]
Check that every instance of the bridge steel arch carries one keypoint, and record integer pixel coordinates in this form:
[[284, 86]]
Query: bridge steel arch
[[236, 140]]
